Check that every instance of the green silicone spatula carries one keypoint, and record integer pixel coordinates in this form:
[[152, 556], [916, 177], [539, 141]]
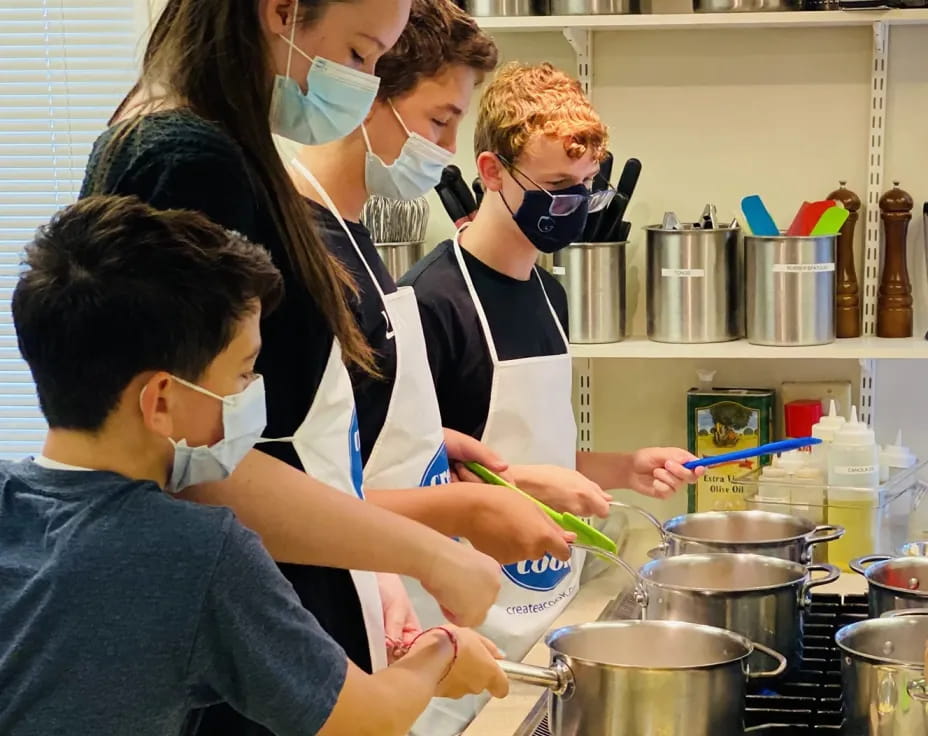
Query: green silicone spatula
[[831, 221], [585, 533]]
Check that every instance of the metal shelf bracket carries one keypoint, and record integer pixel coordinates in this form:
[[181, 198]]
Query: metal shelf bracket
[[583, 372], [581, 41]]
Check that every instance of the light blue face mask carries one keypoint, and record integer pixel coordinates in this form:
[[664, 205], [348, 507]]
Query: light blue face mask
[[337, 100], [244, 416], [417, 169]]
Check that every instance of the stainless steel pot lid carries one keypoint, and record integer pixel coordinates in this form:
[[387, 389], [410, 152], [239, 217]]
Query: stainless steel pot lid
[[739, 527], [907, 575], [649, 645], [895, 641], [723, 573]]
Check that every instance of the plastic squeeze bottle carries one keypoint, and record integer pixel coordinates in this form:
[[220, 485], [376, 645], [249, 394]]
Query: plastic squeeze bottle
[[825, 430], [895, 459], [853, 480]]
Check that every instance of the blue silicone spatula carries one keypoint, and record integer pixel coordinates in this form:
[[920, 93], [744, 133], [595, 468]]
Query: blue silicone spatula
[[771, 448], [758, 218], [568, 522]]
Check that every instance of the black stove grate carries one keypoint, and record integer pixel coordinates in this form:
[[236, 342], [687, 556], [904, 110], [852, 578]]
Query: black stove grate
[[808, 701]]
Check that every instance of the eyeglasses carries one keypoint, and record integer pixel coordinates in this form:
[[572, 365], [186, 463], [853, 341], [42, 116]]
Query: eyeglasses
[[565, 204]]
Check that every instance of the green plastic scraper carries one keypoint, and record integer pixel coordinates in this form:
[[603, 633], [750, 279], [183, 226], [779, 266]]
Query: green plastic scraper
[[586, 534], [831, 221]]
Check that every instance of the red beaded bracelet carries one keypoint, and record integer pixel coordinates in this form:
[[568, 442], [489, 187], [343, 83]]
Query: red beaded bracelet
[[400, 648]]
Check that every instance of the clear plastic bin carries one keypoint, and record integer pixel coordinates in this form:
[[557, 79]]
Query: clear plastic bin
[[876, 521]]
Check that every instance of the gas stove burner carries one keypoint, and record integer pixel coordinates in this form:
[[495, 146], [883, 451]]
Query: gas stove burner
[[806, 702]]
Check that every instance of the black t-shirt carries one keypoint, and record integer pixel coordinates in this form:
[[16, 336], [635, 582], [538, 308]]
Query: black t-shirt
[[518, 315], [371, 395], [176, 159]]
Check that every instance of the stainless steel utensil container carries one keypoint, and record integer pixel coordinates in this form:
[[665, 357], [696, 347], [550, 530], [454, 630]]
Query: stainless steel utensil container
[[893, 583], [755, 532], [644, 678], [400, 257], [505, 8], [881, 670], [593, 274], [762, 598], [694, 285], [591, 7], [790, 290]]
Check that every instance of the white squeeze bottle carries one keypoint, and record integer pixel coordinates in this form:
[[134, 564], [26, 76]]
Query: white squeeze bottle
[[895, 459], [853, 480], [825, 430], [772, 490]]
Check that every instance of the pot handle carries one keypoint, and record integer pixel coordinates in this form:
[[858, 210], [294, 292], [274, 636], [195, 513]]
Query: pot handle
[[641, 596], [824, 533], [859, 564], [832, 573], [653, 520], [905, 612], [557, 678], [918, 690], [781, 663]]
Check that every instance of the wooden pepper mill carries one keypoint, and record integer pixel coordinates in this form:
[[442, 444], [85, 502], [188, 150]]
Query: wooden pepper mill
[[847, 305], [894, 302]]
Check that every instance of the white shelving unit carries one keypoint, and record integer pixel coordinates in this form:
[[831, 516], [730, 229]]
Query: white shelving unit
[[581, 32]]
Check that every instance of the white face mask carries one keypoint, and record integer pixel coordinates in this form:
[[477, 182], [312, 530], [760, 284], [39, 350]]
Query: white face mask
[[244, 416], [417, 169]]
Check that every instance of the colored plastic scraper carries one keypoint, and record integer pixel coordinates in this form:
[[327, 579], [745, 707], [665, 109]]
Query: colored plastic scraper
[[831, 222], [585, 533], [758, 218]]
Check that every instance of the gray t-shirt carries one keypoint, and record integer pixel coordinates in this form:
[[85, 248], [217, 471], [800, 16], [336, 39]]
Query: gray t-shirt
[[123, 609]]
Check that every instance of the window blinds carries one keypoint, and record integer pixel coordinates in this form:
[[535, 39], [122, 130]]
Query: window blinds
[[64, 66]]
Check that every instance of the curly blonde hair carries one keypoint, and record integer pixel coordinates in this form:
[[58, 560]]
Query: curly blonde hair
[[525, 101]]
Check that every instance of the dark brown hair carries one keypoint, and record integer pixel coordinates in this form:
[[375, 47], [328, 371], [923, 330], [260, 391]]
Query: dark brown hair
[[439, 34], [211, 57], [114, 288]]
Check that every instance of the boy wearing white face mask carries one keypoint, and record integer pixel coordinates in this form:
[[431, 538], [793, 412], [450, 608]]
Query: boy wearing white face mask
[[122, 608]]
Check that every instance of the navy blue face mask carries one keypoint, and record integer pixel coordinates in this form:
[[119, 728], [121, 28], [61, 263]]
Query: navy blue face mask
[[550, 220]]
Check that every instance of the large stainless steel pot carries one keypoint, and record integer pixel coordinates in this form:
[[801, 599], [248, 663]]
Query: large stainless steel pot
[[762, 598], [645, 678], [881, 670], [755, 532], [893, 583]]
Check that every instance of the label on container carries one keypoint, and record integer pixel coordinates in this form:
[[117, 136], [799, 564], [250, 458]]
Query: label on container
[[683, 273], [558, 270], [855, 469], [803, 267]]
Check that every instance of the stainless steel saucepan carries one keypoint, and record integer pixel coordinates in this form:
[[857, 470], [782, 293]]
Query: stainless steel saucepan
[[893, 583], [881, 670], [754, 532], [645, 678]]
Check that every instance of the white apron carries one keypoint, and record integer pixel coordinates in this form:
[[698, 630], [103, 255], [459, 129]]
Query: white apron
[[530, 421], [410, 449], [329, 446]]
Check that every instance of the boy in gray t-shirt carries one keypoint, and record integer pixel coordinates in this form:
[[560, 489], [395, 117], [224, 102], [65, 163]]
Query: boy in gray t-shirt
[[123, 609]]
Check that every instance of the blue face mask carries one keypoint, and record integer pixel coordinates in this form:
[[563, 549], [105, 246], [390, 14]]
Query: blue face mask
[[337, 100], [416, 170]]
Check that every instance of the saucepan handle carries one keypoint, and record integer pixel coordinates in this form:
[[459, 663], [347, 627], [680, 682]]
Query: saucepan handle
[[859, 565], [557, 678], [832, 573], [641, 597], [824, 533], [781, 663], [654, 521], [918, 690]]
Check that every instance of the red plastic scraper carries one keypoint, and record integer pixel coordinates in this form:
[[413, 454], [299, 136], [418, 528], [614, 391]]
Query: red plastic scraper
[[808, 216]]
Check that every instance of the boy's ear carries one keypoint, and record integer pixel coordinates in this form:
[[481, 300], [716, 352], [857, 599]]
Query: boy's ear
[[156, 400], [491, 171]]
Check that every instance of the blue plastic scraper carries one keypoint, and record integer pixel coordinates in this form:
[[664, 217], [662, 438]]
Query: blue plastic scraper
[[759, 219]]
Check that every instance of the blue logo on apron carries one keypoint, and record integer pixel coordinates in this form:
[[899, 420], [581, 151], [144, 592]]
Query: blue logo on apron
[[439, 471], [541, 574], [354, 452]]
